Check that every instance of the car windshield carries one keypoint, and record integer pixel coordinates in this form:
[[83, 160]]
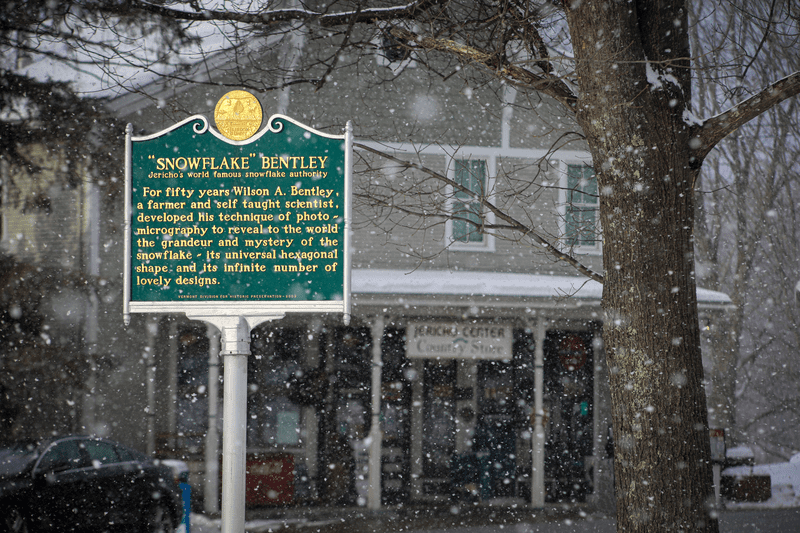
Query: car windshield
[[16, 457], [66, 454]]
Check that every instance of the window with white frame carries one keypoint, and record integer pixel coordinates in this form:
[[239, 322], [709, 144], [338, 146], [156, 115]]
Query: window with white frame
[[582, 202], [394, 48], [468, 214], [391, 51]]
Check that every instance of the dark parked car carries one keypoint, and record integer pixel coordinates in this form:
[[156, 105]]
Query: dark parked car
[[85, 484]]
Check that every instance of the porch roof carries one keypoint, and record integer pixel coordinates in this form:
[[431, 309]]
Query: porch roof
[[481, 283]]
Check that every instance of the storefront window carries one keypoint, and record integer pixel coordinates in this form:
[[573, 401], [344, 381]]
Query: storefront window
[[344, 423], [192, 404], [273, 419]]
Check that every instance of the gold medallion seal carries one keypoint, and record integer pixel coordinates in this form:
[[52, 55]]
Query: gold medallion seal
[[238, 115]]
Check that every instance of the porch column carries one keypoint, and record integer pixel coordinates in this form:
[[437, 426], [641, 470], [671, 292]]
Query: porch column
[[172, 386], [597, 429], [537, 462], [211, 481], [417, 426], [149, 357], [375, 433]]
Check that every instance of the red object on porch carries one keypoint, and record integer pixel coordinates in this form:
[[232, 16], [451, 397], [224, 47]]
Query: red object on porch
[[269, 479]]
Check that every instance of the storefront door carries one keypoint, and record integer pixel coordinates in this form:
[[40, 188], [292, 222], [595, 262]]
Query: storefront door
[[569, 385], [345, 422], [396, 418], [439, 424], [496, 432]]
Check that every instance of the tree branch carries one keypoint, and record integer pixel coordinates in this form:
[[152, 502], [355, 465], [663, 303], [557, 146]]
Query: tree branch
[[286, 15], [547, 84], [336, 56], [706, 135]]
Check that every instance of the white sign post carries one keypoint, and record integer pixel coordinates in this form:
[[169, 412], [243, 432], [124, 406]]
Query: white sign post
[[237, 229], [234, 348]]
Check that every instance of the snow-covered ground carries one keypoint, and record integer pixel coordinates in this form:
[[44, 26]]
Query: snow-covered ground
[[202, 524], [784, 477]]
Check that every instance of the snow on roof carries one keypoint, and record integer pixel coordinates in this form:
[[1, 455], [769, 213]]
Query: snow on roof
[[779, 473], [739, 452], [472, 283], [482, 283]]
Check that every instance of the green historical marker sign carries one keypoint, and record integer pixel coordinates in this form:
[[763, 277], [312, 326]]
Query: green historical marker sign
[[258, 223]]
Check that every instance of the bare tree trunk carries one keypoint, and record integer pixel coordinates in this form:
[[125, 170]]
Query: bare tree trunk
[[652, 341], [651, 334], [651, 330]]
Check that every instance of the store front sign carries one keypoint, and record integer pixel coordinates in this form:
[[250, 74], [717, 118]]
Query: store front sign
[[458, 340]]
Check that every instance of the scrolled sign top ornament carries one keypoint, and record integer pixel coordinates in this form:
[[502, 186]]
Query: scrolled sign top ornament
[[238, 115]]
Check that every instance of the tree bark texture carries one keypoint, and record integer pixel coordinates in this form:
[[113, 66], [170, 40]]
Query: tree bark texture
[[634, 87]]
